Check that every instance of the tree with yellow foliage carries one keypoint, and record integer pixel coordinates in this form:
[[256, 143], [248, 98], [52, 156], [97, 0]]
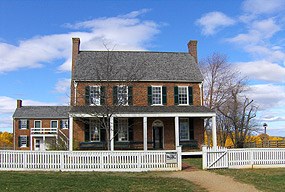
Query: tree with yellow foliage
[[6, 140]]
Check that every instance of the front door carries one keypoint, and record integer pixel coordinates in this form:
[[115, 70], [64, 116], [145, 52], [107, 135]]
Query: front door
[[157, 137]]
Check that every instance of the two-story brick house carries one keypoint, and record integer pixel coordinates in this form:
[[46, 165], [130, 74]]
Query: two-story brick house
[[133, 100], [150, 100]]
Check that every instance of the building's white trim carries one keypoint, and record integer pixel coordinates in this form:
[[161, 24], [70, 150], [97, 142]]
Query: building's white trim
[[145, 133], [209, 115], [70, 133], [176, 132]]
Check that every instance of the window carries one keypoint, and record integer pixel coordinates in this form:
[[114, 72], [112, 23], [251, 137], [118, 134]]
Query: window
[[122, 129], [94, 95], [183, 95], [95, 130], [53, 124], [122, 95], [23, 124], [184, 129], [156, 95], [23, 141], [38, 124], [64, 124]]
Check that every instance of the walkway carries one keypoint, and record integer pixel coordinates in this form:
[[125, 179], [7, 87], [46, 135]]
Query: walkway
[[213, 182]]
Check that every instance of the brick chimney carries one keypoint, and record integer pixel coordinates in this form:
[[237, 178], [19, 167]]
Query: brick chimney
[[19, 103], [75, 51], [192, 49]]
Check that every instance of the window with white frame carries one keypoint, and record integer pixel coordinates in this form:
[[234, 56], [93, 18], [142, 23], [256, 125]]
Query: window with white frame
[[184, 129], [23, 141], [53, 124], [38, 124], [156, 95], [23, 124], [94, 95], [64, 124], [183, 95], [122, 95], [95, 130], [123, 129]]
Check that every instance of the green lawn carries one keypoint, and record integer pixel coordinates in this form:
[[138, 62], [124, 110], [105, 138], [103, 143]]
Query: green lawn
[[263, 179], [83, 181]]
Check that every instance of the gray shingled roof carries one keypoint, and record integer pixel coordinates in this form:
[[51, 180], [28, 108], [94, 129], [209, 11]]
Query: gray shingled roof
[[42, 112], [135, 65], [141, 109]]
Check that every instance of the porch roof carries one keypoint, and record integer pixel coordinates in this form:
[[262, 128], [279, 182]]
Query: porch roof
[[141, 111]]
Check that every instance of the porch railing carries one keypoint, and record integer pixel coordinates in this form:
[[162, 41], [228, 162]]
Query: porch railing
[[131, 161], [46, 131]]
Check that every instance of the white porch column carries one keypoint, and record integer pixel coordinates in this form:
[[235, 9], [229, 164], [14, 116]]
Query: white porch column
[[176, 131], [70, 133], [214, 131], [145, 133], [112, 133]]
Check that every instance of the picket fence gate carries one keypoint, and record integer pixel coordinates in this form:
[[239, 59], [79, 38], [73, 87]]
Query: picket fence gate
[[220, 157], [121, 161]]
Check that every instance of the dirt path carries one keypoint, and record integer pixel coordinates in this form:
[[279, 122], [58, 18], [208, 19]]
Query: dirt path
[[212, 181]]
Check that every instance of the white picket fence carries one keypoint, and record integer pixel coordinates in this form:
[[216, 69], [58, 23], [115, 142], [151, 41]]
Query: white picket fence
[[219, 157], [130, 161]]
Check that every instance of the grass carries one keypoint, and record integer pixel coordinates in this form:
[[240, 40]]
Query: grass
[[263, 179], [82, 181], [267, 180]]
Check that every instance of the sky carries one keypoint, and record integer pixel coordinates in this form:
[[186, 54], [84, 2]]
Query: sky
[[35, 44]]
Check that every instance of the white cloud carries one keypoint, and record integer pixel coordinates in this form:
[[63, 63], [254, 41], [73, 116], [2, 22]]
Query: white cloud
[[267, 96], [62, 86], [262, 70], [263, 6], [214, 21], [257, 32], [125, 32]]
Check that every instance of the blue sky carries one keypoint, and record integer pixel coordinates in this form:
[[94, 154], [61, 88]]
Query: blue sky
[[35, 44]]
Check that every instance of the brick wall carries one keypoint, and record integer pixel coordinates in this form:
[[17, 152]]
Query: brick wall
[[140, 97]]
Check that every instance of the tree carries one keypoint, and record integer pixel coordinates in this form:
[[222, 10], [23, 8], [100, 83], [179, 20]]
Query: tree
[[224, 91], [6, 140]]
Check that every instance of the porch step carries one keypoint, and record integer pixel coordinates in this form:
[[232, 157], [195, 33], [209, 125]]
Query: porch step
[[191, 153]]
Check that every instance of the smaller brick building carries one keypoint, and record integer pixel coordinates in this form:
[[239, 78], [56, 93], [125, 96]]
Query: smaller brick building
[[125, 100]]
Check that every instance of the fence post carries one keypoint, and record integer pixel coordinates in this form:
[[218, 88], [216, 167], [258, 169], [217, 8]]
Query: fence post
[[251, 158], [204, 157], [179, 158]]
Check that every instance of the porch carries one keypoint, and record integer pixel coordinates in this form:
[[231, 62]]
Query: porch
[[146, 128]]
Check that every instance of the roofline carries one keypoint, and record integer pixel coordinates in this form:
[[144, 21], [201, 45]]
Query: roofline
[[169, 81], [66, 117], [136, 51]]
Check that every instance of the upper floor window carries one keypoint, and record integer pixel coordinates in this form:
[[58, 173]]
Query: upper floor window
[[183, 95], [37, 124], [23, 124], [157, 95], [122, 95], [64, 124], [53, 124], [94, 95]]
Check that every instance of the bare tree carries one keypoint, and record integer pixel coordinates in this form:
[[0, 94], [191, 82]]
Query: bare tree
[[224, 93]]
